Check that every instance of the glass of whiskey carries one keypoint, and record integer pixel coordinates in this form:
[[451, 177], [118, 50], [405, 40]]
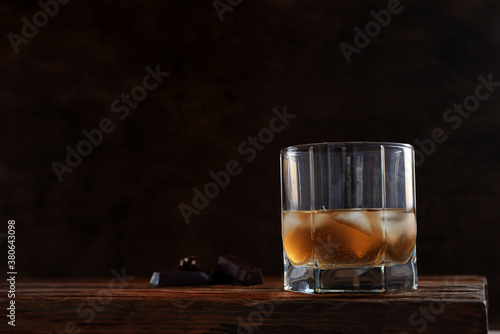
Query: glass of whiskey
[[348, 217]]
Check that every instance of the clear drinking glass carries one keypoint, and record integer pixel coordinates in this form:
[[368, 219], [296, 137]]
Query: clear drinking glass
[[348, 217]]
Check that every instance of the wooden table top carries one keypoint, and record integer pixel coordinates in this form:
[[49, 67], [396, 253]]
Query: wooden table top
[[441, 304]]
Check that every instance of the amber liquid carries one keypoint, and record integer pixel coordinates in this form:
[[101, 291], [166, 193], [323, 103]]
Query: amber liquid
[[334, 238]]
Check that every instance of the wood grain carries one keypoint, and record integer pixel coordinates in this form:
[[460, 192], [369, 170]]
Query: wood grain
[[445, 304]]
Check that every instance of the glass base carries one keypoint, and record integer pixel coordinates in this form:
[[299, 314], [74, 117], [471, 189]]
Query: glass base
[[374, 279]]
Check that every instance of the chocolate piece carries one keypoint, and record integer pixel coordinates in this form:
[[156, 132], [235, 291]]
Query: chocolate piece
[[240, 270], [178, 278], [220, 277], [190, 263]]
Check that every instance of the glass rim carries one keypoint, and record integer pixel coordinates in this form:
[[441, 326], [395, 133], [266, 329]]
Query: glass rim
[[303, 147]]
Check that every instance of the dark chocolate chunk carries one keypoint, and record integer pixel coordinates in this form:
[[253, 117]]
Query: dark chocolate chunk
[[220, 277], [240, 270], [178, 278], [189, 263]]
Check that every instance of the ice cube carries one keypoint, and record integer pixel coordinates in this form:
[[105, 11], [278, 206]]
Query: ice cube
[[401, 229], [356, 219], [399, 223], [294, 219], [322, 217]]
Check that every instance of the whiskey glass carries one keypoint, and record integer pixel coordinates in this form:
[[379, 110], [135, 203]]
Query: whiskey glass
[[349, 217]]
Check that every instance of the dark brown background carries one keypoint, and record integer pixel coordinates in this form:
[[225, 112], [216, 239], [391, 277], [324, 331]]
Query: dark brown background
[[119, 208]]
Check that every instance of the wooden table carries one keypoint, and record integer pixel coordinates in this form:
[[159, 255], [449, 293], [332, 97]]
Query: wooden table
[[447, 304]]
